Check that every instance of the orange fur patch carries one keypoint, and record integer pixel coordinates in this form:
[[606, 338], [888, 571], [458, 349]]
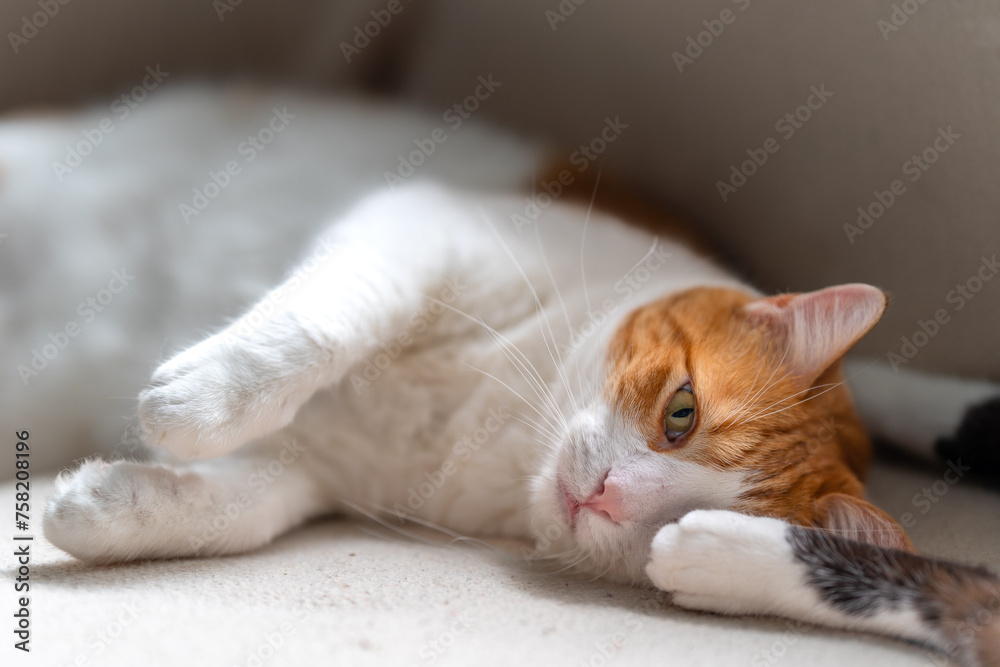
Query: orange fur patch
[[804, 447], [798, 443]]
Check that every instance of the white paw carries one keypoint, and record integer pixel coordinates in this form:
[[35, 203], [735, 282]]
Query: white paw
[[111, 512], [724, 562], [212, 398]]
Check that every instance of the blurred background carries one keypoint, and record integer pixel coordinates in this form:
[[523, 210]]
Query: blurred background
[[814, 143], [699, 84]]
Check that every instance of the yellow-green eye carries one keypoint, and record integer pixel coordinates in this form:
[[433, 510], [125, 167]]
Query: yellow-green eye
[[679, 416]]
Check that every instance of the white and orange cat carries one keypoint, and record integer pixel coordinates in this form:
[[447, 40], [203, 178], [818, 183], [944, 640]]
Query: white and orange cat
[[491, 361]]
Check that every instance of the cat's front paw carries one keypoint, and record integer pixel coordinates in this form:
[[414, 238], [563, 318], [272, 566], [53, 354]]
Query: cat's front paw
[[113, 512], [722, 561], [211, 399]]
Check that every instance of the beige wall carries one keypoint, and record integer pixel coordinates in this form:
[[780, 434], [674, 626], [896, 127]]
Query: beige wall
[[784, 227]]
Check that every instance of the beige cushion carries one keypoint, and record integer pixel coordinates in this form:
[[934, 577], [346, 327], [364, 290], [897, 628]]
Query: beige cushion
[[350, 593]]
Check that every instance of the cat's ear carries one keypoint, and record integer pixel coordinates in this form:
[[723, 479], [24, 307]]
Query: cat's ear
[[815, 329], [859, 520]]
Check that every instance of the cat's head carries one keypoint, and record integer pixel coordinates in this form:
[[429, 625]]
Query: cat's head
[[714, 399]]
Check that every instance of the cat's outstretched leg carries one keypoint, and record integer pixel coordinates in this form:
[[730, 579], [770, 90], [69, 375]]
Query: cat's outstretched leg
[[112, 512], [736, 564], [935, 417], [366, 280]]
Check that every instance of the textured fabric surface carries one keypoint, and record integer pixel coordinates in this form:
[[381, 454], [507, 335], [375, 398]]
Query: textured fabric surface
[[349, 593]]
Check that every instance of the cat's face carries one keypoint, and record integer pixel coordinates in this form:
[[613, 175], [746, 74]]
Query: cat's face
[[712, 399]]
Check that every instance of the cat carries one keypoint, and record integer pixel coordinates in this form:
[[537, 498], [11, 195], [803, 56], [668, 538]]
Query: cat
[[510, 365]]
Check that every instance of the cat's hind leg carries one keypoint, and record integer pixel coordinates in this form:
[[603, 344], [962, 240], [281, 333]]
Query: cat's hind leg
[[113, 512], [934, 417]]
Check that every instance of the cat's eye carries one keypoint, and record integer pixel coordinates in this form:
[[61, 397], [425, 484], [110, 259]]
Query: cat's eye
[[679, 415]]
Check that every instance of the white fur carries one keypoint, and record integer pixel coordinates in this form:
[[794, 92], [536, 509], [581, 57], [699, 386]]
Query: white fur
[[472, 312], [913, 409], [434, 354], [369, 443], [120, 208], [736, 564]]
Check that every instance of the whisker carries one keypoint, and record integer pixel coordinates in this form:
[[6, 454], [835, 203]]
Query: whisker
[[552, 279], [414, 536], [767, 382], [508, 347], [528, 371], [511, 390], [845, 380], [787, 398], [799, 403], [551, 438], [556, 356], [583, 237], [753, 385]]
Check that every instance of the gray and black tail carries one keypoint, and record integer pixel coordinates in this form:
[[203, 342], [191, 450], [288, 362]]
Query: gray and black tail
[[955, 608], [950, 607]]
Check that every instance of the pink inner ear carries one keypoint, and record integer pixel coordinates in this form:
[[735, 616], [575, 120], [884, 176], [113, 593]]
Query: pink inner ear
[[817, 328]]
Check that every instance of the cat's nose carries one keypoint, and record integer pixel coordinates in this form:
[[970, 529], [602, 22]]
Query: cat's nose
[[608, 500]]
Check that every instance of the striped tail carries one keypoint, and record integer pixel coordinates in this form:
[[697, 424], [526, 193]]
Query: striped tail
[[953, 608]]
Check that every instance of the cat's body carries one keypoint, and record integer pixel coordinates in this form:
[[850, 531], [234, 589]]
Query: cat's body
[[450, 383], [563, 377]]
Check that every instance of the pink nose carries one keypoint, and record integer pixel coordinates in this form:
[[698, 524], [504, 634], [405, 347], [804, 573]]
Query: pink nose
[[608, 500]]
